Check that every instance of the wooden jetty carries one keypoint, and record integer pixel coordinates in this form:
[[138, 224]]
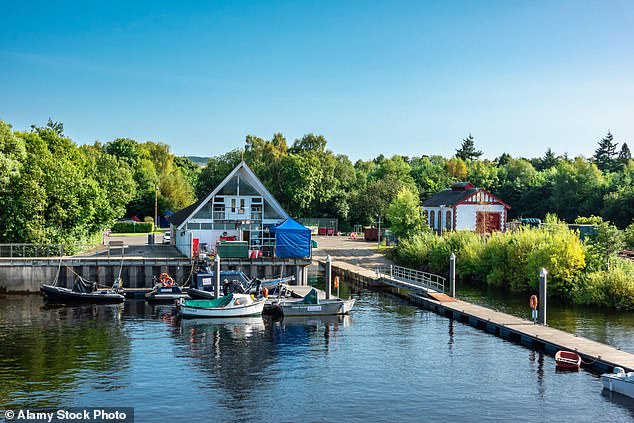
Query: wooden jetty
[[594, 354]]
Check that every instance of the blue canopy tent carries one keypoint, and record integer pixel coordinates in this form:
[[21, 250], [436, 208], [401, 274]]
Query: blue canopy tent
[[292, 240]]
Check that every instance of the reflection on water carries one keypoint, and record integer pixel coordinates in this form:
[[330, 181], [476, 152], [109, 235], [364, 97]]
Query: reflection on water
[[387, 361], [612, 327]]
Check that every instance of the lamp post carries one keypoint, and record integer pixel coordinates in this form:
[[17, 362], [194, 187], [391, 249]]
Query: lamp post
[[156, 190], [379, 234]]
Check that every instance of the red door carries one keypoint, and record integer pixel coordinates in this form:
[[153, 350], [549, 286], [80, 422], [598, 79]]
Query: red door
[[487, 222]]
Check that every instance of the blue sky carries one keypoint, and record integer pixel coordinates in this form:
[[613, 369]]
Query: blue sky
[[373, 77]]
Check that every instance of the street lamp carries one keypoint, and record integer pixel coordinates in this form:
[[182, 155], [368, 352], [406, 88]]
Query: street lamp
[[156, 190], [379, 234]]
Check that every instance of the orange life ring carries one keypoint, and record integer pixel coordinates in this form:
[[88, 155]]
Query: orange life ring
[[265, 292], [166, 280], [533, 302], [336, 282]]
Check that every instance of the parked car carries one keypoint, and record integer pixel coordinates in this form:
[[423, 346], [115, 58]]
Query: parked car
[[167, 237]]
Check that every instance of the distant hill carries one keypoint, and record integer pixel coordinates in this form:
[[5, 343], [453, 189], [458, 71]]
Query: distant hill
[[202, 161]]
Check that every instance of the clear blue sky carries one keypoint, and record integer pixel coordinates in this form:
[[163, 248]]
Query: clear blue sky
[[373, 77]]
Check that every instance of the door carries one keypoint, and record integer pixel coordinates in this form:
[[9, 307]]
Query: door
[[487, 222]]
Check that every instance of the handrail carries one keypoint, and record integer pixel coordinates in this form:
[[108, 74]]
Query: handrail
[[415, 277]]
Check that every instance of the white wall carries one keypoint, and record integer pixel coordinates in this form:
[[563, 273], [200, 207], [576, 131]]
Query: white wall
[[183, 242], [466, 215], [442, 222]]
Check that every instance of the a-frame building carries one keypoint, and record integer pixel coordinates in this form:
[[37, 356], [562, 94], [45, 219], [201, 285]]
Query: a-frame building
[[239, 208]]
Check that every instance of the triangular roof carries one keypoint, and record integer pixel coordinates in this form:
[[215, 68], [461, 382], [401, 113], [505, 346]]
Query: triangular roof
[[457, 194], [182, 216]]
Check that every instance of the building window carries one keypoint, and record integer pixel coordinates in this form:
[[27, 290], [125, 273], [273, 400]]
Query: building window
[[448, 220], [241, 206], [432, 219], [233, 205]]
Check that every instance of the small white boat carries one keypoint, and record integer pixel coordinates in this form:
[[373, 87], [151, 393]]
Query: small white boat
[[311, 305], [232, 305], [619, 381]]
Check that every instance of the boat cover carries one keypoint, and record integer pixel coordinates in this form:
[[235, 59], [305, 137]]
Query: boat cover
[[83, 286], [216, 303], [292, 240], [311, 298]]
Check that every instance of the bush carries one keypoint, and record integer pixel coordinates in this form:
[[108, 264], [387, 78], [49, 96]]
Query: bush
[[628, 237], [614, 288], [132, 227]]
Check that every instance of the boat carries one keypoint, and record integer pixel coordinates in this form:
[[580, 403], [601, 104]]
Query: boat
[[311, 305], [619, 381], [567, 360], [165, 290], [231, 281], [83, 291], [232, 305]]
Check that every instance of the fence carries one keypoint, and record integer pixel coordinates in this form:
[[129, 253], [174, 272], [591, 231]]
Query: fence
[[415, 277]]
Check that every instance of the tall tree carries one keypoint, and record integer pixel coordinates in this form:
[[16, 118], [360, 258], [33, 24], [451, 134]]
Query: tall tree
[[605, 155], [404, 213], [467, 150], [549, 160], [624, 155]]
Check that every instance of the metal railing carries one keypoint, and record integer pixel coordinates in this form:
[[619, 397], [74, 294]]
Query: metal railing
[[415, 277], [44, 250]]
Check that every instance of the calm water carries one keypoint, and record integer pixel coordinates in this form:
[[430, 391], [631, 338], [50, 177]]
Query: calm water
[[388, 361], [612, 327]]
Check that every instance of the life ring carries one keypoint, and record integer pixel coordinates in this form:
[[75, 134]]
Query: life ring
[[166, 280], [336, 282], [265, 292], [533, 302]]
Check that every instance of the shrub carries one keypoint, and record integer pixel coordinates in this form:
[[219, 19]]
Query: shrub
[[614, 288], [628, 237], [132, 227]]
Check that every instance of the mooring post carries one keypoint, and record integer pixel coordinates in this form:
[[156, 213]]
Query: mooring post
[[328, 276], [217, 276], [452, 275], [542, 296]]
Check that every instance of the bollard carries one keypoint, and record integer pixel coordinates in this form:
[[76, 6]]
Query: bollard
[[542, 296], [217, 277], [452, 275], [328, 276]]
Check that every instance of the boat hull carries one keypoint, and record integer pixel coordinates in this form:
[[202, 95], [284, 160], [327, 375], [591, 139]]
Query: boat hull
[[252, 309], [324, 308], [567, 360], [56, 294], [165, 294], [200, 294], [621, 385]]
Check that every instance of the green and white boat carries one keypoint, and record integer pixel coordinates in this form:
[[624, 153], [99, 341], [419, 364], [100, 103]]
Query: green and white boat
[[232, 305]]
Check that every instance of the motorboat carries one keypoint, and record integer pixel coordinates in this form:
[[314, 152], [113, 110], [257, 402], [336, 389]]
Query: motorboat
[[83, 291], [567, 360], [165, 290], [232, 305], [619, 381], [312, 305], [231, 281]]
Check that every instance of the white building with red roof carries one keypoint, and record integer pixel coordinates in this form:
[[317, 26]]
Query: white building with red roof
[[465, 207]]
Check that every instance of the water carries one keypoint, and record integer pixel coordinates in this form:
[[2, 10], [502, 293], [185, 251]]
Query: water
[[388, 361], [608, 326]]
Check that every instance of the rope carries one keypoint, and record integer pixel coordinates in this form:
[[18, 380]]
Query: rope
[[587, 363], [191, 272]]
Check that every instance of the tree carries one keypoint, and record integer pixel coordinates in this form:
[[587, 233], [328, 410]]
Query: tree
[[605, 155], [549, 160], [624, 155], [467, 150], [12, 154], [404, 214], [457, 168], [606, 243], [309, 142], [218, 167]]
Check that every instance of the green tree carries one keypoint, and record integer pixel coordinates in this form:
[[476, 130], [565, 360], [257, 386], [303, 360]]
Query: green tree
[[625, 155], [606, 243], [404, 214], [467, 150], [605, 155], [12, 154]]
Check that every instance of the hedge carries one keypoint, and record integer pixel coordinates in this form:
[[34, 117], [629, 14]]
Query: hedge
[[132, 227]]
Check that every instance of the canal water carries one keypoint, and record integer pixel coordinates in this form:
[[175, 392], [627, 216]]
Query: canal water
[[608, 326], [386, 362]]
